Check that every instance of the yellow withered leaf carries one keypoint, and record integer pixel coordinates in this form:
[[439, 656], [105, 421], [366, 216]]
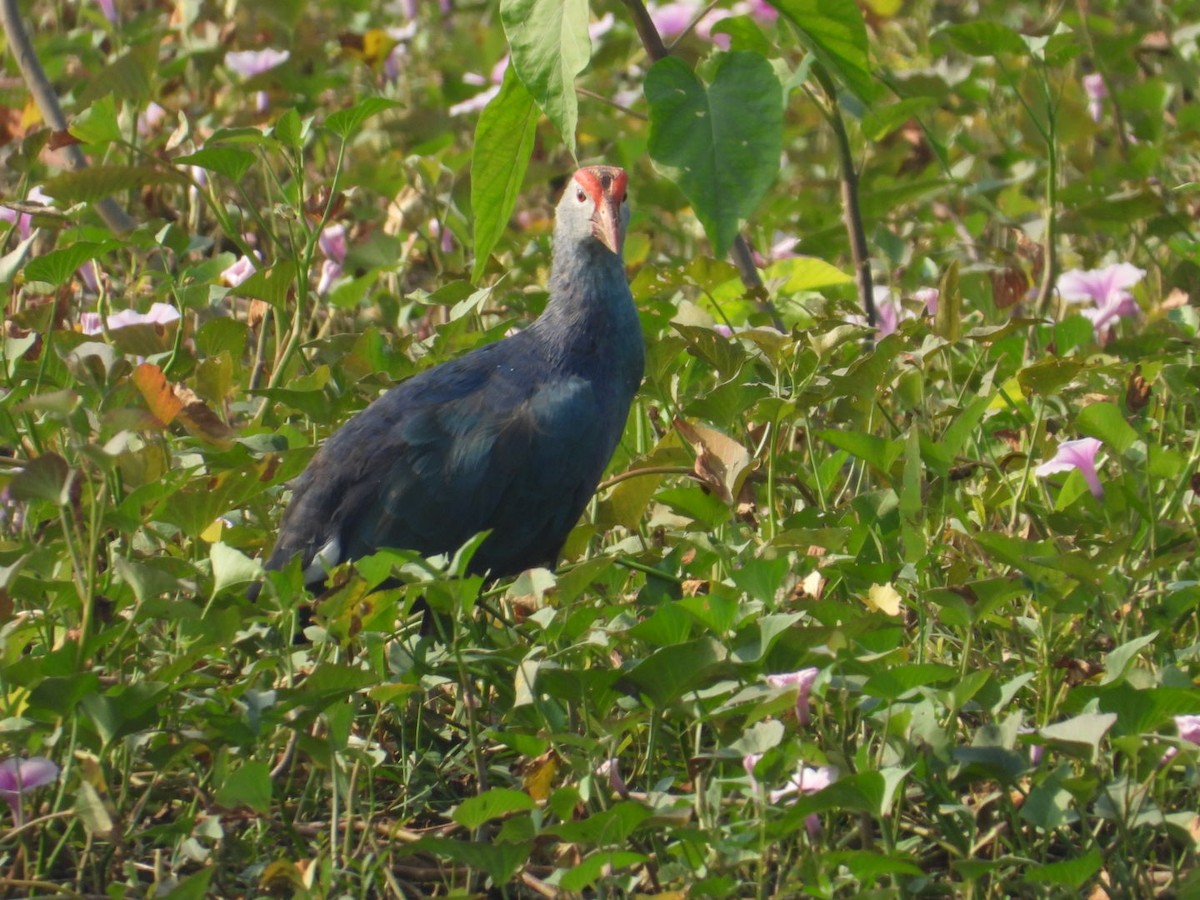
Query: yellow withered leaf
[[883, 598]]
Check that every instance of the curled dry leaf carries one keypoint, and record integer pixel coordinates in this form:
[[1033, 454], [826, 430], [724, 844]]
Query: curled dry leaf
[[538, 775], [721, 462], [169, 402], [1137, 390]]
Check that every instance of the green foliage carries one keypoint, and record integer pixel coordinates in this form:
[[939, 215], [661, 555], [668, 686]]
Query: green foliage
[[990, 655]]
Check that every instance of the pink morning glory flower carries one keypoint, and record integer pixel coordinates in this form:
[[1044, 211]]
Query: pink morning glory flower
[[802, 681], [249, 63], [90, 323], [158, 314], [1107, 289], [764, 13], [1081, 455], [1097, 92], [890, 312], [333, 244], [806, 780], [238, 272], [17, 776], [1189, 728]]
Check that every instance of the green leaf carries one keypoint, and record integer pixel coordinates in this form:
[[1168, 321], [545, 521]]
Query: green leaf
[[1118, 661], [876, 451], [289, 130], [1048, 805], [249, 785], [228, 161], [667, 674], [503, 146], [58, 266], [97, 182], [1105, 421], [721, 143], [128, 77], [947, 323], [1048, 375], [834, 31], [45, 477], [97, 124], [231, 567], [610, 826], [493, 804], [1087, 730], [986, 39], [805, 273], [550, 47], [194, 887], [270, 285], [498, 860], [895, 681], [345, 122], [759, 738], [90, 808], [601, 864], [1069, 873], [881, 121]]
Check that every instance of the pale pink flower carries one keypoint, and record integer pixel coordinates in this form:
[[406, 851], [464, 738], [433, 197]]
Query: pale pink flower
[[90, 323], [764, 13], [249, 63], [1097, 93], [749, 761], [1107, 288], [158, 314], [330, 272], [802, 681], [671, 19], [807, 780], [1081, 455], [333, 243], [1189, 728], [149, 121], [109, 9], [17, 776], [887, 311], [929, 296], [238, 272], [783, 246]]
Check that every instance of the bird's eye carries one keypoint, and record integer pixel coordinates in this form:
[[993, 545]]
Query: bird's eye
[[580, 195]]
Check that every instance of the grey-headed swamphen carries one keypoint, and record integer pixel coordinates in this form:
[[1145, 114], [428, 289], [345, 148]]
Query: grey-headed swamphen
[[512, 437]]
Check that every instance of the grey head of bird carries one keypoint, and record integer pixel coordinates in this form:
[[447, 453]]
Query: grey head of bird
[[593, 206]]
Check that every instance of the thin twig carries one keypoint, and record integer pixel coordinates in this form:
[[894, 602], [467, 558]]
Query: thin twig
[[851, 210]]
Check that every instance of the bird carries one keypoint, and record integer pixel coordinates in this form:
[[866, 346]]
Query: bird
[[511, 438]]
